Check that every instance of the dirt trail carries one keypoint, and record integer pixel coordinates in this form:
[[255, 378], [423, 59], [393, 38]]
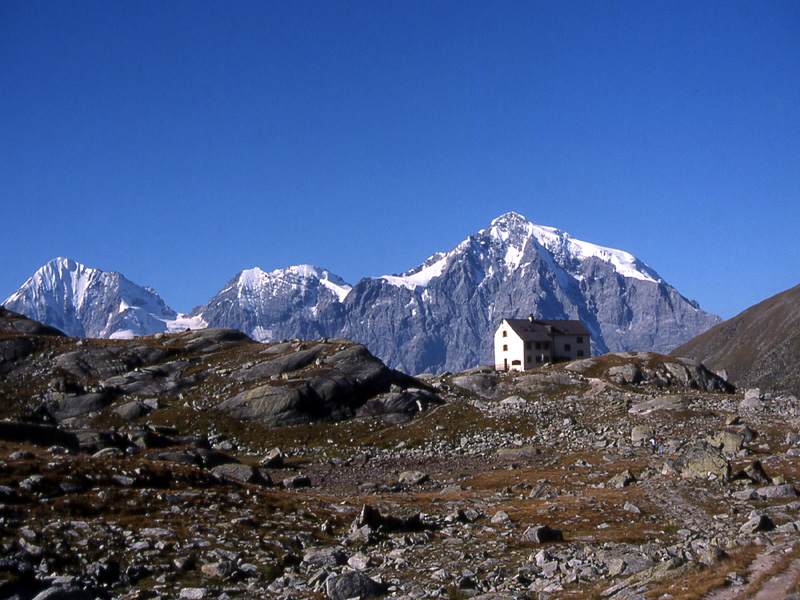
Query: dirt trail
[[773, 587]]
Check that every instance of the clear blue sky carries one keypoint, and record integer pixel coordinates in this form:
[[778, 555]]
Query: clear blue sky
[[180, 142]]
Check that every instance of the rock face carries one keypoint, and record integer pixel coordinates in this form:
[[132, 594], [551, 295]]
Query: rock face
[[297, 302], [348, 380], [442, 314], [757, 348], [439, 316]]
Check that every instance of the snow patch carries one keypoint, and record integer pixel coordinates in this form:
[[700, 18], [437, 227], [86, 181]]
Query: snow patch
[[262, 334], [125, 334], [255, 279], [420, 277], [340, 291], [184, 322]]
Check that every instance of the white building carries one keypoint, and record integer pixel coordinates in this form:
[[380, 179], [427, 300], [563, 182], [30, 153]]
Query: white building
[[521, 344]]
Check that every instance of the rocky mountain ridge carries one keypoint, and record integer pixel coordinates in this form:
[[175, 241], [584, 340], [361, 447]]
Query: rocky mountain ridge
[[439, 316], [757, 348]]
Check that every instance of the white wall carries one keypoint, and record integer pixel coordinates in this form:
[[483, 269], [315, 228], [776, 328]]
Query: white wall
[[515, 351]]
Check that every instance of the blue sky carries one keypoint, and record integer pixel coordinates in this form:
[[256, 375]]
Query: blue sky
[[180, 142]]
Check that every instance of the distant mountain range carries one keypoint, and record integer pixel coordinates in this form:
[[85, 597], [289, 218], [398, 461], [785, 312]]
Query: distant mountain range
[[759, 347], [439, 316]]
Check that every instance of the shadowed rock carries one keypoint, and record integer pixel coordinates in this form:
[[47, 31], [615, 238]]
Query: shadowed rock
[[542, 534], [353, 585], [40, 435]]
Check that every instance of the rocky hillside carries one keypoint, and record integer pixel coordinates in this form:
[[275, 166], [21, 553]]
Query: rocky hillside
[[78, 381], [206, 465], [757, 348]]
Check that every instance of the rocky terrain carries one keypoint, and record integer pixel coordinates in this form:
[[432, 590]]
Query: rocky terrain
[[757, 348], [438, 316], [205, 465]]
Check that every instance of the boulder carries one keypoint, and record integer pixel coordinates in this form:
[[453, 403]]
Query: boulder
[[663, 403], [58, 592], [481, 384], [727, 441], [277, 365], [627, 373], [500, 517], [91, 441], [240, 472], [372, 519], [755, 473], [73, 406], [327, 558], [777, 491], [177, 456], [130, 411], [397, 407], [701, 461], [274, 405], [621, 480], [412, 478], [542, 534], [350, 378], [752, 401], [273, 459], [747, 433], [543, 492], [353, 585], [758, 523], [296, 482]]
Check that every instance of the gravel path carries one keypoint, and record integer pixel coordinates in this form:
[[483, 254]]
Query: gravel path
[[773, 588]]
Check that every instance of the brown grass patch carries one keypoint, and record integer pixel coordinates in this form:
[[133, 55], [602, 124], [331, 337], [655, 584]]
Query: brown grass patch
[[698, 583]]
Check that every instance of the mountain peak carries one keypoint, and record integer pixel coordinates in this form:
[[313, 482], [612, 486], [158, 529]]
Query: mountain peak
[[509, 218], [82, 301], [511, 226], [62, 265]]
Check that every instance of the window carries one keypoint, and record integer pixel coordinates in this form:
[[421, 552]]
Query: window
[[528, 345], [545, 345], [505, 333], [579, 340], [515, 363], [538, 345], [580, 353], [539, 359], [505, 347], [567, 347], [528, 358]]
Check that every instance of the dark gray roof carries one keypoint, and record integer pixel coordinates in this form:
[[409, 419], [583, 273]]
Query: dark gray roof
[[542, 329]]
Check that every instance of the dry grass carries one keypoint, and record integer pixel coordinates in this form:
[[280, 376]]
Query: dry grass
[[697, 583]]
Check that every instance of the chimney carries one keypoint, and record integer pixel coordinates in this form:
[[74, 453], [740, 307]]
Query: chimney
[[530, 318]]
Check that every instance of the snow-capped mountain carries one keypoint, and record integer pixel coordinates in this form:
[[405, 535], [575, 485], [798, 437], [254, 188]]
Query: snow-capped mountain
[[442, 314], [86, 302], [301, 301], [439, 316]]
